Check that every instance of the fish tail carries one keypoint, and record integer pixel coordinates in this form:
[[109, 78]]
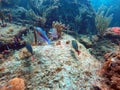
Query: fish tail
[[49, 41], [78, 52]]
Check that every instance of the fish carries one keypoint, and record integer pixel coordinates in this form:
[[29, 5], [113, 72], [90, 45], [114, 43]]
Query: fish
[[53, 32], [30, 49], [43, 34], [75, 46]]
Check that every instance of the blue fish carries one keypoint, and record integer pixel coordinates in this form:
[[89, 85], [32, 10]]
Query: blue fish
[[29, 47], [43, 34], [75, 46], [53, 33]]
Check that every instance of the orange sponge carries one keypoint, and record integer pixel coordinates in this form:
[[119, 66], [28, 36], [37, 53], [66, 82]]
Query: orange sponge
[[14, 84], [17, 84]]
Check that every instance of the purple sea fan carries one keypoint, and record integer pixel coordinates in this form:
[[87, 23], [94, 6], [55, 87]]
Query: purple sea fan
[[53, 32]]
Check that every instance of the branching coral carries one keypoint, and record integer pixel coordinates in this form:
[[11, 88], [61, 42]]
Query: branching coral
[[111, 71], [60, 27], [102, 19]]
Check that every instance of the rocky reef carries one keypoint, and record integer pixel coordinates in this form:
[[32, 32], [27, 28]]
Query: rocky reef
[[49, 45], [110, 71], [56, 66], [11, 37]]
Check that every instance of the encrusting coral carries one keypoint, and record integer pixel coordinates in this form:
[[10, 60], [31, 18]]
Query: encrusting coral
[[111, 72]]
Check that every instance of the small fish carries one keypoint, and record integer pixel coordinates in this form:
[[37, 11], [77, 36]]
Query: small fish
[[42, 33], [75, 46], [53, 32], [29, 48]]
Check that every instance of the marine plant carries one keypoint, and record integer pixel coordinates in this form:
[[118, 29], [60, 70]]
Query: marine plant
[[103, 19]]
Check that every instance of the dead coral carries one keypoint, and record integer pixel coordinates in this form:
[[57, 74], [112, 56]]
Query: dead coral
[[111, 71]]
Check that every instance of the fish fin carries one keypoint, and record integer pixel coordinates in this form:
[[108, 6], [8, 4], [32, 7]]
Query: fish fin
[[48, 41]]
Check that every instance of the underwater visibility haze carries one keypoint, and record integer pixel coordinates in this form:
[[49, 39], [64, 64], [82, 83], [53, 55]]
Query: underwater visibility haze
[[59, 45]]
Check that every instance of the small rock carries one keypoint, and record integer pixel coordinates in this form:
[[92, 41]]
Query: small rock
[[24, 53]]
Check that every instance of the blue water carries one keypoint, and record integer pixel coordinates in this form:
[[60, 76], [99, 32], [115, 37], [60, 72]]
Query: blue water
[[114, 10]]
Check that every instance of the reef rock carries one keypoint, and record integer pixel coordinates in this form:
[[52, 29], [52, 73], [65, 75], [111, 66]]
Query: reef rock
[[10, 36], [110, 71], [84, 39], [55, 67], [24, 53]]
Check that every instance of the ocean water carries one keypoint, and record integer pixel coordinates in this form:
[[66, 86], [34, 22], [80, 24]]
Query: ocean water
[[58, 44]]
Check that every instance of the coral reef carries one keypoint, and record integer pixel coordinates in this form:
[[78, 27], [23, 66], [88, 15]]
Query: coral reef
[[112, 33], [111, 71], [88, 41], [29, 37], [5, 16], [106, 43], [11, 37], [54, 67], [101, 47], [44, 12]]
